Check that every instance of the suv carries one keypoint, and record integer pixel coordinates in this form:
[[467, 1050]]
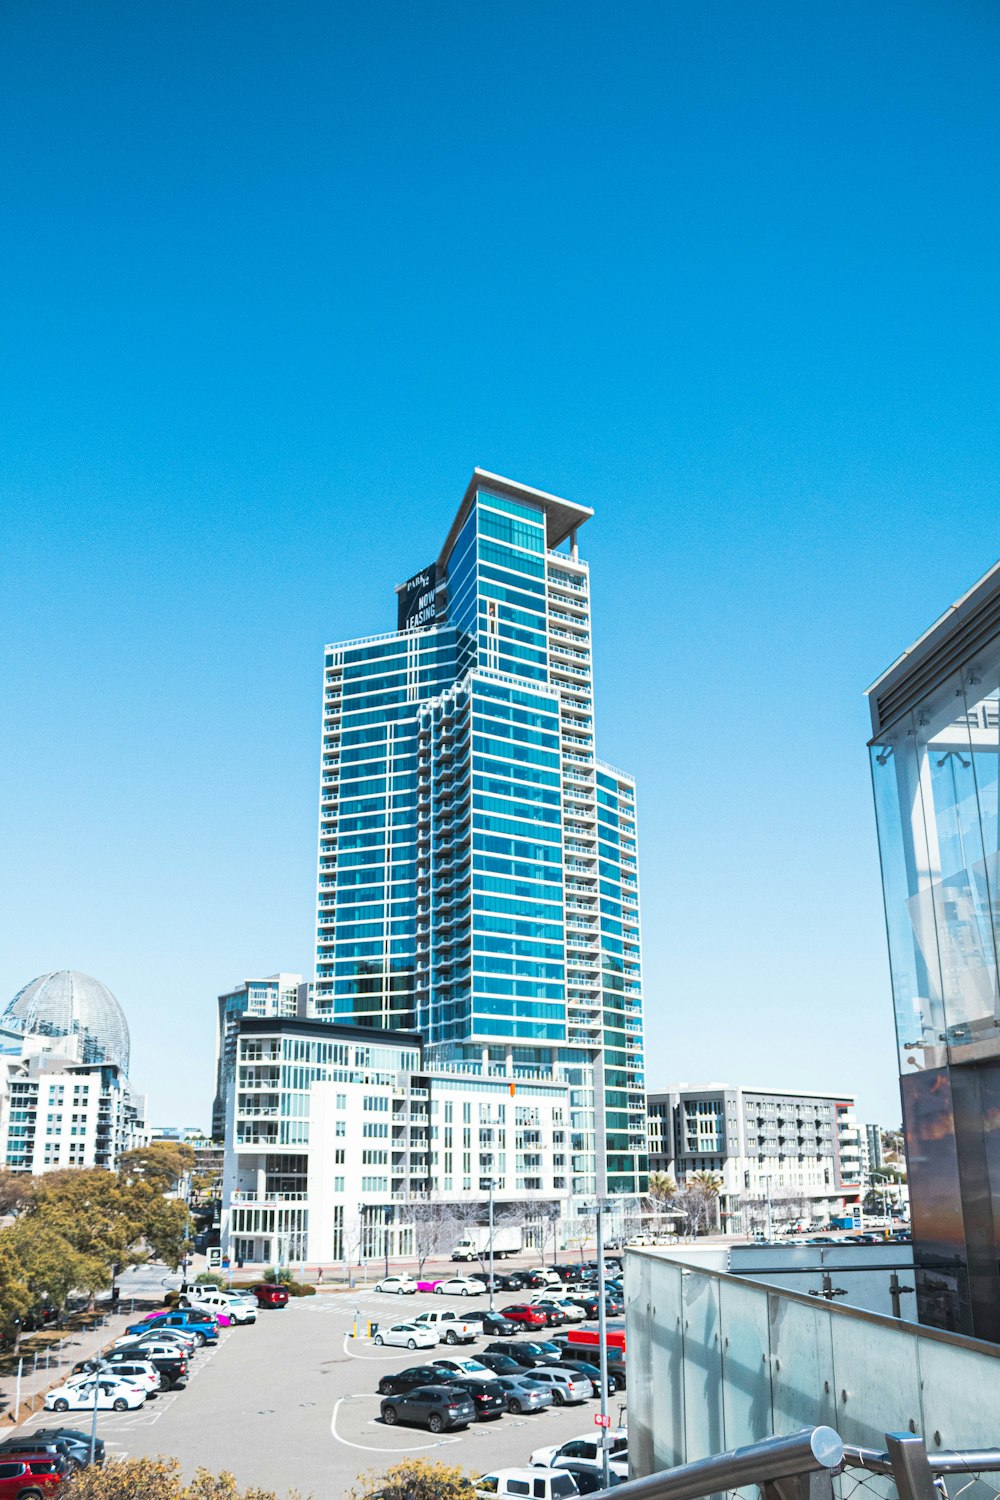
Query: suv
[[270, 1294], [27, 1476], [210, 1300], [526, 1354], [532, 1484], [58, 1442]]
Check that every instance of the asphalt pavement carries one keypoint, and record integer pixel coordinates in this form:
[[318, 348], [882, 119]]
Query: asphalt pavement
[[290, 1403]]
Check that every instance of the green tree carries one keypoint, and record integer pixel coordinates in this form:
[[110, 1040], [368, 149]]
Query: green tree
[[415, 1479], [662, 1187], [15, 1293], [50, 1267], [162, 1164], [112, 1218]]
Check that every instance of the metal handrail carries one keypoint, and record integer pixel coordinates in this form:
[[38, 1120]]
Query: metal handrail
[[806, 1452], [972, 1461]]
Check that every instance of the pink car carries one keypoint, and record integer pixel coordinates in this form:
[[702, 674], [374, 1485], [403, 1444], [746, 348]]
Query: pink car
[[427, 1286]]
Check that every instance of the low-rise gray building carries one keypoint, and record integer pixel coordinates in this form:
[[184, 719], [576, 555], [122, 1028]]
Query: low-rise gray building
[[781, 1155]]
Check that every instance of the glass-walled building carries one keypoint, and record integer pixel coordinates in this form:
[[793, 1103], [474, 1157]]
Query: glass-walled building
[[478, 876], [936, 770]]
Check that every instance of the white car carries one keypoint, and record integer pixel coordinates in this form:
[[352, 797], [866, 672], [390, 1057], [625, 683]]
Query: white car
[[403, 1286], [587, 1446], [140, 1373], [460, 1286], [572, 1311], [112, 1395], [472, 1369], [406, 1336], [538, 1484]]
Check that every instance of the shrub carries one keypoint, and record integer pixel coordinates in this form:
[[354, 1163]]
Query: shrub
[[210, 1278], [155, 1479], [300, 1289], [415, 1479]]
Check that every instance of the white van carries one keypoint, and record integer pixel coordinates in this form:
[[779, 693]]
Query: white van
[[526, 1484]]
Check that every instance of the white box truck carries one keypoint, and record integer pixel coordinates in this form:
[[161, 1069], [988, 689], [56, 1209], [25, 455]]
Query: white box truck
[[475, 1242]]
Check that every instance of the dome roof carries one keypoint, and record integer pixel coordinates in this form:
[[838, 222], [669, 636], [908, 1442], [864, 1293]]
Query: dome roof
[[67, 1003]]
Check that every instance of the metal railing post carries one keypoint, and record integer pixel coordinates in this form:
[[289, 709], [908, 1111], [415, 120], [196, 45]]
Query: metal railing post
[[910, 1469]]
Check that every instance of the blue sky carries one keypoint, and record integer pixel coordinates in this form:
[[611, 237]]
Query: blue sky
[[277, 277]]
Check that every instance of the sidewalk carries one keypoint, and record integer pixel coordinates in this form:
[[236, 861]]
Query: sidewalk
[[50, 1366]]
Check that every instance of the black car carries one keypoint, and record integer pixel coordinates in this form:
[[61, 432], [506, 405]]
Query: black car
[[486, 1396], [405, 1380], [500, 1364], [591, 1371], [436, 1407], [588, 1479], [493, 1322], [528, 1355], [171, 1370], [590, 1305], [533, 1279], [507, 1281]]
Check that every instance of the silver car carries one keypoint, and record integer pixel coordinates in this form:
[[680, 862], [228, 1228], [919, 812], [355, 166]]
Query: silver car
[[567, 1386], [524, 1394]]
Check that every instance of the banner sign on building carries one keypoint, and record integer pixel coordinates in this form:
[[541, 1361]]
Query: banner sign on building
[[416, 600]]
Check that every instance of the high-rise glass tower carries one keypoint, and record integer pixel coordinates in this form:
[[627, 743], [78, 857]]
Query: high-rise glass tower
[[478, 878]]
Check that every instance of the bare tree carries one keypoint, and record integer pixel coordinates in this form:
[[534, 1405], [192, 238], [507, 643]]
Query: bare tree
[[433, 1230]]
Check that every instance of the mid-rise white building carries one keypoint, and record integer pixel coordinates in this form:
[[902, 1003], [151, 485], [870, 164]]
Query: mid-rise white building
[[338, 1139], [276, 995], [65, 1097], [786, 1154]]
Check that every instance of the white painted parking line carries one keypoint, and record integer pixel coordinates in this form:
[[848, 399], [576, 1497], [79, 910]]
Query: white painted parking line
[[438, 1442]]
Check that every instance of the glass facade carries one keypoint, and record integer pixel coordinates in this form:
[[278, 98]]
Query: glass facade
[[936, 771], [478, 876]]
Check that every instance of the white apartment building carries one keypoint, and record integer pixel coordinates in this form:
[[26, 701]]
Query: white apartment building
[[337, 1138], [798, 1152], [57, 1111], [276, 995]]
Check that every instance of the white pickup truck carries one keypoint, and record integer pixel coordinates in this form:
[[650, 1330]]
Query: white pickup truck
[[449, 1327]]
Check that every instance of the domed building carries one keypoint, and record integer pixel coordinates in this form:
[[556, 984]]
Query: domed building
[[65, 1097], [68, 1003]]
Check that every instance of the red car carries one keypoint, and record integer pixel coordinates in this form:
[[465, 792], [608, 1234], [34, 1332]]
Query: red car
[[31, 1474], [527, 1317], [270, 1295]]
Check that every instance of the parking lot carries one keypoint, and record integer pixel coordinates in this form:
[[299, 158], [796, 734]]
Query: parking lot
[[290, 1402]]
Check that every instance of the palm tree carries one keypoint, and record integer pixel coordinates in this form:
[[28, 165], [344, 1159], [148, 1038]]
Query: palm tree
[[662, 1187]]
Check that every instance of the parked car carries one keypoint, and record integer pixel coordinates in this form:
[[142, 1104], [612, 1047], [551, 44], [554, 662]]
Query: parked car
[[523, 1393], [406, 1336], [617, 1466], [26, 1476], [405, 1380], [402, 1286], [572, 1312], [232, 1305], [587, 1445], [554, 1315], [592, 1371], [536, 1280], [447, 1325], [569, 1386], [492, 1323], [589, 1477], [70, 1441], [590, 1305], [485, 1395], [525, 1315], [460, 1286], [535, 1484], [178, 1339], [110, 1396], [270, 1294], [204, 1326], [472, 1369], [140, 1372], [169, 1357], [501, 1364], [439, 1408], [527, 1355]]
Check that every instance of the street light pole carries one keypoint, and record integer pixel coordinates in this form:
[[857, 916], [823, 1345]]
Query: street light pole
[[602, 1335], [491, 1243]]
